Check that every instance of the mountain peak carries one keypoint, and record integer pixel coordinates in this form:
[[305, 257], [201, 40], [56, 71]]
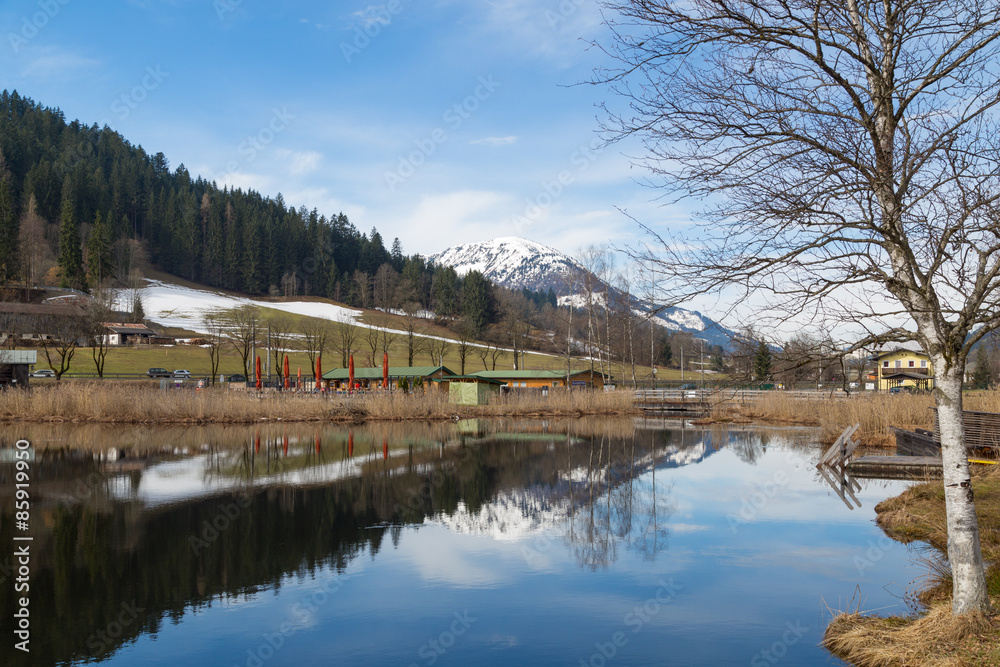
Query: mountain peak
[[513, 262]]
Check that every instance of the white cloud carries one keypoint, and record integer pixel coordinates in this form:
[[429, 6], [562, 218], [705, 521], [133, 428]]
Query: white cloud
[[56, 63], [495, 141]]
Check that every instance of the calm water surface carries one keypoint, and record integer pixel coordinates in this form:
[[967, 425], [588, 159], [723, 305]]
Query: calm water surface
[[613, 542]]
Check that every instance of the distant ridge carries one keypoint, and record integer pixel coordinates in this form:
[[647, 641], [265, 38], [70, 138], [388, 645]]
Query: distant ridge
[[519, 263]]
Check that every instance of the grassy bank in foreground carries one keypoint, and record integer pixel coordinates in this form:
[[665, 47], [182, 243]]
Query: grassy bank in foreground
[[130, 403], [933, 638]]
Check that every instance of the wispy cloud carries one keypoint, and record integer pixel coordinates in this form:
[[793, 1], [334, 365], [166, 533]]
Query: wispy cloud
[[495, 141], [55, 63]]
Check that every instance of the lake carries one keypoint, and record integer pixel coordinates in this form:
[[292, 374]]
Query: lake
[[584, 542]]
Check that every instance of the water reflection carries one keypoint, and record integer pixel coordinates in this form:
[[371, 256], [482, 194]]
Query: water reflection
[[170, 522]]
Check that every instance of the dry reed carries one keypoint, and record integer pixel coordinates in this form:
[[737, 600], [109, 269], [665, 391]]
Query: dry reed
[[110, 402]]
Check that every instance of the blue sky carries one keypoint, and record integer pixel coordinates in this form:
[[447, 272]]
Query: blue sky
[[439, 122]]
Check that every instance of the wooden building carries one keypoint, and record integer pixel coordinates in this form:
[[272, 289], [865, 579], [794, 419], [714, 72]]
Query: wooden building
[[371, 378], [536, 379], [14, 366]]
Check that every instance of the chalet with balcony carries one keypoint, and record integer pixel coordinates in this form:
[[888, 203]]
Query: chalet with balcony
[[901, 367]]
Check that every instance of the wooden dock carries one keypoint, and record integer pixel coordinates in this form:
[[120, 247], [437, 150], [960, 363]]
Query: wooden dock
[[895, 467]]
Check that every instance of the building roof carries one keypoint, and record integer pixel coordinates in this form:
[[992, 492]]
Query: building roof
[[375, 373], [908, 348], [129, 329], [901, 373], [467, 378], [530, 375]]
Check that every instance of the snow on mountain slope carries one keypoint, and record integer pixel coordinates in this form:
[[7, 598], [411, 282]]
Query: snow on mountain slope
[[512, 262], [517, 263]]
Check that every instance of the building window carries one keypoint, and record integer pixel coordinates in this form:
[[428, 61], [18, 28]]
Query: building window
[[923, 363], [885, 364], [912, 363], [899, 363]]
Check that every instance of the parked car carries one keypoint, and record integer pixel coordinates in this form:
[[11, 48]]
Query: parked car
[[181, 373], [158, 373], [904, 390], [236, 378], [43, 373]]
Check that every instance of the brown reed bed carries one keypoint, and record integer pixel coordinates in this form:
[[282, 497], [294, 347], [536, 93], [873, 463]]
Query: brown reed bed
[[874, 411], [132, 403]]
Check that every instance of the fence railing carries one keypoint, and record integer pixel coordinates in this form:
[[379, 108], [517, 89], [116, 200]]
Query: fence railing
[[741, 395]]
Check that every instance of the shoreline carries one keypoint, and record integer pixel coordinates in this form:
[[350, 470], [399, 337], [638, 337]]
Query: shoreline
[[932, 636]]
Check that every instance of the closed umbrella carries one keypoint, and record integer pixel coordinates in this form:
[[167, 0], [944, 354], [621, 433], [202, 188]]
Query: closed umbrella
[[319, 374], [257, 370], [287, 385], [298, 384], [350, 374], [385, 370]]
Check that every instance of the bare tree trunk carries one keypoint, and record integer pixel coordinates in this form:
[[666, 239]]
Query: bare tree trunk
[[964, 553]]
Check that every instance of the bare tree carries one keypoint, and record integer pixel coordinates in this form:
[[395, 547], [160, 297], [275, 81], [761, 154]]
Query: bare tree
[[97, 314], [316, 335], [849, 154], [363, 287], [36, 255], [241, 325], [215, 321], [463, 342], [66, 331], [384, 287], [410, 319], [437, 348], [279, 334], [372, 338], [347, 339]]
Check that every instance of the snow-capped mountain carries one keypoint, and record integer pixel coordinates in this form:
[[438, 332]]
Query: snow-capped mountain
[[512, 262], [518, 263]]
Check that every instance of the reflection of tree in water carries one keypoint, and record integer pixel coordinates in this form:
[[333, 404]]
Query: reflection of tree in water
[[99, 552], [618, 503]]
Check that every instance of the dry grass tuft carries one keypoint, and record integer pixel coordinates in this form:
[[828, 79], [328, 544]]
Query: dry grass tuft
[[936, 639]]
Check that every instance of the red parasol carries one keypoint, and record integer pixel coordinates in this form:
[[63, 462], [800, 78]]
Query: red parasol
[[298, 385], [257, 369], [319, 374], [286, 372], [350, 374], [385, 370]]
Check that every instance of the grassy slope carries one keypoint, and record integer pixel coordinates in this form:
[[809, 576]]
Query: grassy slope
[[196, 359]]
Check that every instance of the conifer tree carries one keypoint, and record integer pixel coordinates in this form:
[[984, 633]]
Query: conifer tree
[[70, 252]]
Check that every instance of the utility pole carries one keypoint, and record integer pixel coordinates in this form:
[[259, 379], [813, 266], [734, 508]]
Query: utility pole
[[703, 365], [682, 361]]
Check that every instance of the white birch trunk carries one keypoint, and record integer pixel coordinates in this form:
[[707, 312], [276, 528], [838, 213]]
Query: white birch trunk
[[964, 554]]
